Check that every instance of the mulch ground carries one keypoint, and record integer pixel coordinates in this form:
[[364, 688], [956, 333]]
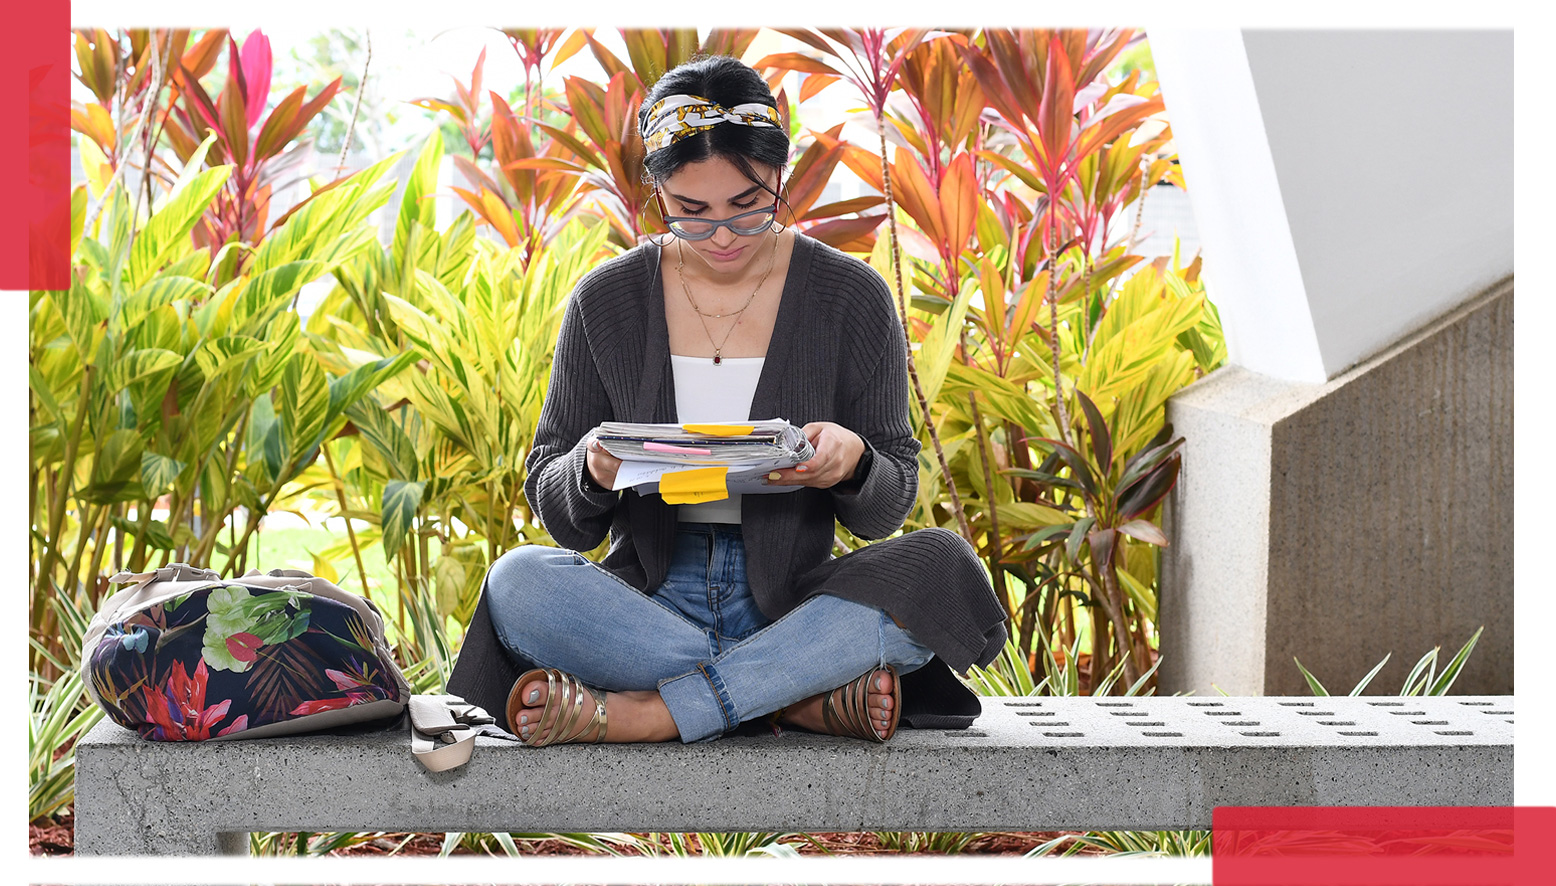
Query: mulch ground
[[57, 838]]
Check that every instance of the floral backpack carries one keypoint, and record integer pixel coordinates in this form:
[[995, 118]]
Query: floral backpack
[[182, 654]]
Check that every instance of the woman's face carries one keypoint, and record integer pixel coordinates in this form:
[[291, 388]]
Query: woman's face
[[716, 189]]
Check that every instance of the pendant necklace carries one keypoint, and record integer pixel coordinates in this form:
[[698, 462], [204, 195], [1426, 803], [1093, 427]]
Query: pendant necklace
[[718, 347]]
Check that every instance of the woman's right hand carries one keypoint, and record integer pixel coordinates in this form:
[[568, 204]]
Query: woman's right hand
[[602, 465]]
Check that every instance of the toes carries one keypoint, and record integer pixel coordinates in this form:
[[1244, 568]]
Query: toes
[[882, 681], [534, 695], [880, 698]]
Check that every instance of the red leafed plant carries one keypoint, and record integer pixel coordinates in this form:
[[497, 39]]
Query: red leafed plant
[[257, 151]]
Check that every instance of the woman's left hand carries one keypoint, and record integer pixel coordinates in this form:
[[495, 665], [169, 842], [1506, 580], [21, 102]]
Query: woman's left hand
[[838, 451]]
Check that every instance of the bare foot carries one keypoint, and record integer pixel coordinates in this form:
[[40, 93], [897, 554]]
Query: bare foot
[[629, 716], [807, 714]]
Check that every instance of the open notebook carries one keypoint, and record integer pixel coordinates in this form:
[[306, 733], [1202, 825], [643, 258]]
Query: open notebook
[[703, 461]]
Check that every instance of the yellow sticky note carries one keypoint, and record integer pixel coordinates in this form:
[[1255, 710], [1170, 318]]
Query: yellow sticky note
[[694, 486], [719, 430]]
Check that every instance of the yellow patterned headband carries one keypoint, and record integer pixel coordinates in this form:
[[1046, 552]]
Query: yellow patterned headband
[[678, 116]]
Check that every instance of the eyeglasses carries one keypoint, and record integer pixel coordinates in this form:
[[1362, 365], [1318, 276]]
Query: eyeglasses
[[745, 224]]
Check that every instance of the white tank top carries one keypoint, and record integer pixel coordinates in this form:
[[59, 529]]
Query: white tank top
[[708, 393]]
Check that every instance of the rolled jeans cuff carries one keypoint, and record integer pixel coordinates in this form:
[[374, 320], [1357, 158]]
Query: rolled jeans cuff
[[699, 704]]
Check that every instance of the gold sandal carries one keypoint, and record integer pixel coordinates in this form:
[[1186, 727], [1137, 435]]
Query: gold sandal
[[854, 718], [846, 709], [559, 719]]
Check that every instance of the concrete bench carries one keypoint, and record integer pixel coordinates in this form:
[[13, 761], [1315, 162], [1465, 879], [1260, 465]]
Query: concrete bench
[[1027, 764]]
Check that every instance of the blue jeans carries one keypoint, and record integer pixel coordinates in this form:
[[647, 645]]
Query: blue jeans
[[700, 639]]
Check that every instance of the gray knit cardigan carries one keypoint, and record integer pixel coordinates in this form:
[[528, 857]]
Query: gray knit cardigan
[[837, 354]]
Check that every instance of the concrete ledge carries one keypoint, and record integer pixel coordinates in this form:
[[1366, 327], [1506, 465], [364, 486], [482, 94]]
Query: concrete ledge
[[1038, 764]]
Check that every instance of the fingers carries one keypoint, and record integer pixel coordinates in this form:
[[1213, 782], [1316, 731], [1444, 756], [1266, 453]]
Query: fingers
[[597, 447]]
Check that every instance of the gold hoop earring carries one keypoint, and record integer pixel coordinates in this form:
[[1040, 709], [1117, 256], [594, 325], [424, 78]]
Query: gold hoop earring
[[668, 239], [775, 227]]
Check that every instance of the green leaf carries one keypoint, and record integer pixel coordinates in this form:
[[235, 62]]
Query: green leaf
[[1312, 681], [39, 388], [401, 499], [1440, 687], [191, 170], [1146, 531], [157, 472], [1142, 595], [164, 290], [280, 342], [938, 349], [166, 236], [268, 291], [75, 309], [1046, 533], [1421, 675], [304, 399], [1026, 514], [115, 466], [138, 365], [1357, 689], [380, 431], [449, 580], [354, 385], [416, 206], [221, 355], [1072, 547]]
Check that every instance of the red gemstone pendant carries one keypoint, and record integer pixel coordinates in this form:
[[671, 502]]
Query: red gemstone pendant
[[717, 359]]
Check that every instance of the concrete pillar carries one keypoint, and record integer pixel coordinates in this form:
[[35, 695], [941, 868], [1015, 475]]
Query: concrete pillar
[[1347, 480], [1337, 522]]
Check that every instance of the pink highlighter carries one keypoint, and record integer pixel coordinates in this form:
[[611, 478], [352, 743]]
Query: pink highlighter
[[667, 447]]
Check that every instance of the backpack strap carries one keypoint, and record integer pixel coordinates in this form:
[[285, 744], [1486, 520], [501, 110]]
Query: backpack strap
[[443, 730], [170, 572]]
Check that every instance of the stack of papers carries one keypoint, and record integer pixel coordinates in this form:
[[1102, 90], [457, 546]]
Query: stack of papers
[[703, 461]]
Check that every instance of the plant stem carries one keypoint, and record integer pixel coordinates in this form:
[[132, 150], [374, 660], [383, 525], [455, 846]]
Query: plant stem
[[340, 496], [996, 542], [61, 493], [88, 520], [902, 314], [356, 107], [99, 550], [120, 511]]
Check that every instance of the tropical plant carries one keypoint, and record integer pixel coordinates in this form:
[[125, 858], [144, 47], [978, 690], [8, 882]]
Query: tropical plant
[[147, 380], [127, 72], [1423, 679], [60, 714], [444, 446], [241, 211], [611, 162]]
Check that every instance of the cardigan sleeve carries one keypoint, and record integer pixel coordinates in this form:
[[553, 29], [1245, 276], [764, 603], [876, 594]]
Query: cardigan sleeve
[[571, 507], [877, 505]]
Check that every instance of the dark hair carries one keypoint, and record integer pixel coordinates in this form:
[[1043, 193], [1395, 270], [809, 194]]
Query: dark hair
[[726, 81]]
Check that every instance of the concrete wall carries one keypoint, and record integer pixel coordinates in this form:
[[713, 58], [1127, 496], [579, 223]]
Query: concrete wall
[[1349, 185], [1394, 152], [1342, 521]]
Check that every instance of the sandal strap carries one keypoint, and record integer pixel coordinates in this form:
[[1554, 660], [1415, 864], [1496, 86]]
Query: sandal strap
[[854, 718], [563, 711]]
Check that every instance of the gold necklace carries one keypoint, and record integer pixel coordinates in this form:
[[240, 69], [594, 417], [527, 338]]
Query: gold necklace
[[718, 347]]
